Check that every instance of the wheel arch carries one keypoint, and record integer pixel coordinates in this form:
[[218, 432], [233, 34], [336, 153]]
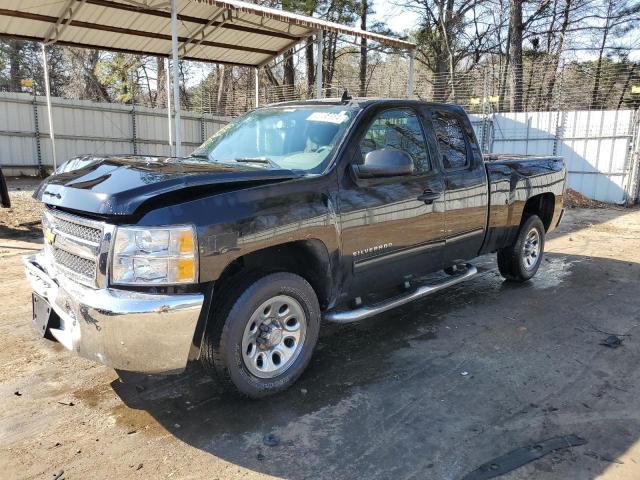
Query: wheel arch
[[308, 258], [542, 205]]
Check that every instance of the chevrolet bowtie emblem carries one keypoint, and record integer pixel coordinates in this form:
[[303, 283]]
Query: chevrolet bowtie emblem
[[49, 236]]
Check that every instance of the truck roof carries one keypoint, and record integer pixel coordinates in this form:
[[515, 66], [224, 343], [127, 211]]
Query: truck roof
[[362, 102]]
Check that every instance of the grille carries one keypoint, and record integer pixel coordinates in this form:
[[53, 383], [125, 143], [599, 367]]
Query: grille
[[77, 230], [77, 264], [74, 246]]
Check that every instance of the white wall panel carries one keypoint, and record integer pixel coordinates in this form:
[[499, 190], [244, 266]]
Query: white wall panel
[[594, 144], [83, 127]]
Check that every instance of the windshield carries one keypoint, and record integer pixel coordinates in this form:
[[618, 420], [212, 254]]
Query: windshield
[[293, 137]]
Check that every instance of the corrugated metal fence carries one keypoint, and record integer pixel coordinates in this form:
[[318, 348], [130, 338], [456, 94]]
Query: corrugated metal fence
[[83, 127], [600, 147]]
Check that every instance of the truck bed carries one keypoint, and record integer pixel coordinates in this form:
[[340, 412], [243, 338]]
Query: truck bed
[[512, 181]]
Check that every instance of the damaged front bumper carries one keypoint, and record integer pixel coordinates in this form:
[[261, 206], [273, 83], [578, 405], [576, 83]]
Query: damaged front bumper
[[126, 330]]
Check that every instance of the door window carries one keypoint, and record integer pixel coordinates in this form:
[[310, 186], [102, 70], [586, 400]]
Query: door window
[[400, 129], [451, 141]]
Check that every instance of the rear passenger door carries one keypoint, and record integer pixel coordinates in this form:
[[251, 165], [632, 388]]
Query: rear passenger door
[[392, 228], [465, 183]]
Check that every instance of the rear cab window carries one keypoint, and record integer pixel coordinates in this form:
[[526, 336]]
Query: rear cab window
[[452, 141]]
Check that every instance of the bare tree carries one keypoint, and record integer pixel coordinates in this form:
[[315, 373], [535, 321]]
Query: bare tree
[[364, 7], [617, 21], [161, 91], [517, 27], [453, 36]]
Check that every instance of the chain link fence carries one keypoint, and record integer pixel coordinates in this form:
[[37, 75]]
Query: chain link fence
[[542, 86], [494, 86], [536, 86]]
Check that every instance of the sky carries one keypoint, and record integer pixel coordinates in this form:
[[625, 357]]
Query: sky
[[397, 18]]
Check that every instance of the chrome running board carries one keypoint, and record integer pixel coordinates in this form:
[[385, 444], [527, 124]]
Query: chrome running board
[[348, 316]]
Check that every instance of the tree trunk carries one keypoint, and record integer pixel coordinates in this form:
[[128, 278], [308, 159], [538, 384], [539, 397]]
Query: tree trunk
[[161, 99], [289, 78], [504, 75], [626, 86], [364, 6], [311, 70], [595, 94], [516, 31], [448, 23], [15, 65], [527, 101], [182, 87], [222, 74], [556, 58], [330, 61]]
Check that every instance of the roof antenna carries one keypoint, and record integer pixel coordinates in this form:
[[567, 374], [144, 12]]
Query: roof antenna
[[345, 96]]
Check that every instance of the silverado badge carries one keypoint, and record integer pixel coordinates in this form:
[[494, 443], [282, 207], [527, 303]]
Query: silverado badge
[[377, 248]]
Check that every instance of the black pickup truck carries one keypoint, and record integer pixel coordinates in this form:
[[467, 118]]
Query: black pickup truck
[[297, 212]]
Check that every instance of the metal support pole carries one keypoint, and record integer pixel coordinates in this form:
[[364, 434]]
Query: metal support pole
[[134, 133], [47, 87], [632, 193], [176, 76], [412, 57], [319, 64], [168, 91], [36, 129], [257, 86]]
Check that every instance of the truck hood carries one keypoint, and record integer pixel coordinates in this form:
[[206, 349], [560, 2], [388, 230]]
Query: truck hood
[[118, 185]]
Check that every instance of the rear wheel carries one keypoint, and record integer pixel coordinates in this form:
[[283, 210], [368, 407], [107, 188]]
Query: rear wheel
[[262, 339], [520, 261]]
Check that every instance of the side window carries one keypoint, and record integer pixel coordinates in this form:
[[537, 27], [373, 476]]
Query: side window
[[400, 129], [451, 141]]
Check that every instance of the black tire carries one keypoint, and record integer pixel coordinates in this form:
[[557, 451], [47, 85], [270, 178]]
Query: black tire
[[512, 260], [222, 352]]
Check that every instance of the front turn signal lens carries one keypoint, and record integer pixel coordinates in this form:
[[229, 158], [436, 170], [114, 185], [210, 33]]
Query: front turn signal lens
[[186, 270]]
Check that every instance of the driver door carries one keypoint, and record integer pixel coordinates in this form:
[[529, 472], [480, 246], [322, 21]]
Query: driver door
[[392, 227]]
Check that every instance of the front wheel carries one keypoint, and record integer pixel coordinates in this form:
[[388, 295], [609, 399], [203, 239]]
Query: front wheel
[[262, 339], [520, 261]]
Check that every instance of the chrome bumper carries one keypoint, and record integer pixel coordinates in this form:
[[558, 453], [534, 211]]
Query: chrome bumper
[[127, 330]]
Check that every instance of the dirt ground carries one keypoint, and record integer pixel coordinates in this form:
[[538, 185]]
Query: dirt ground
[[429, 391]]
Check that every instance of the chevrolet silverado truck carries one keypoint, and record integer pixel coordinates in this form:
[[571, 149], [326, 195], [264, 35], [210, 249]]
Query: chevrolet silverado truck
[[298, 212]]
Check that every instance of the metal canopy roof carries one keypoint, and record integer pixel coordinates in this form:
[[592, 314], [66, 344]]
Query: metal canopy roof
[[219, 31]]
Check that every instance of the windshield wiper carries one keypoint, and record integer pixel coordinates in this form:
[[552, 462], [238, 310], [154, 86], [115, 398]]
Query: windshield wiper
[[199, 155], [265, 160], [253, 160]]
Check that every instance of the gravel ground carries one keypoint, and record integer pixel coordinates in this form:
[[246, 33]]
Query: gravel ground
[[428, 391], [23, 218]]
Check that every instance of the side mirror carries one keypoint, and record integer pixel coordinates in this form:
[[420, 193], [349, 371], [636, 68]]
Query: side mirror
[[386, 162]]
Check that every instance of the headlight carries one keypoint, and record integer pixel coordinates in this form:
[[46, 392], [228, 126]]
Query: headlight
[[154, 256]]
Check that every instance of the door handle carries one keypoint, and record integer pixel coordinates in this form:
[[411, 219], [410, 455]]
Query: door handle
[[428, 197]]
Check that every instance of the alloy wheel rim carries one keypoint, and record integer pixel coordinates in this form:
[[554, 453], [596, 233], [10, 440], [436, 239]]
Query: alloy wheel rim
[[531, 249], [274, 336]]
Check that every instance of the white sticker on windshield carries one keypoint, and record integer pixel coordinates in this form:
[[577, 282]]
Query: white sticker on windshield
[[328, 117]]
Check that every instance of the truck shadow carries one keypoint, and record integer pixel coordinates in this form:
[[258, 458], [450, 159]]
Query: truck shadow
[[438, 387], [30, 232]]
